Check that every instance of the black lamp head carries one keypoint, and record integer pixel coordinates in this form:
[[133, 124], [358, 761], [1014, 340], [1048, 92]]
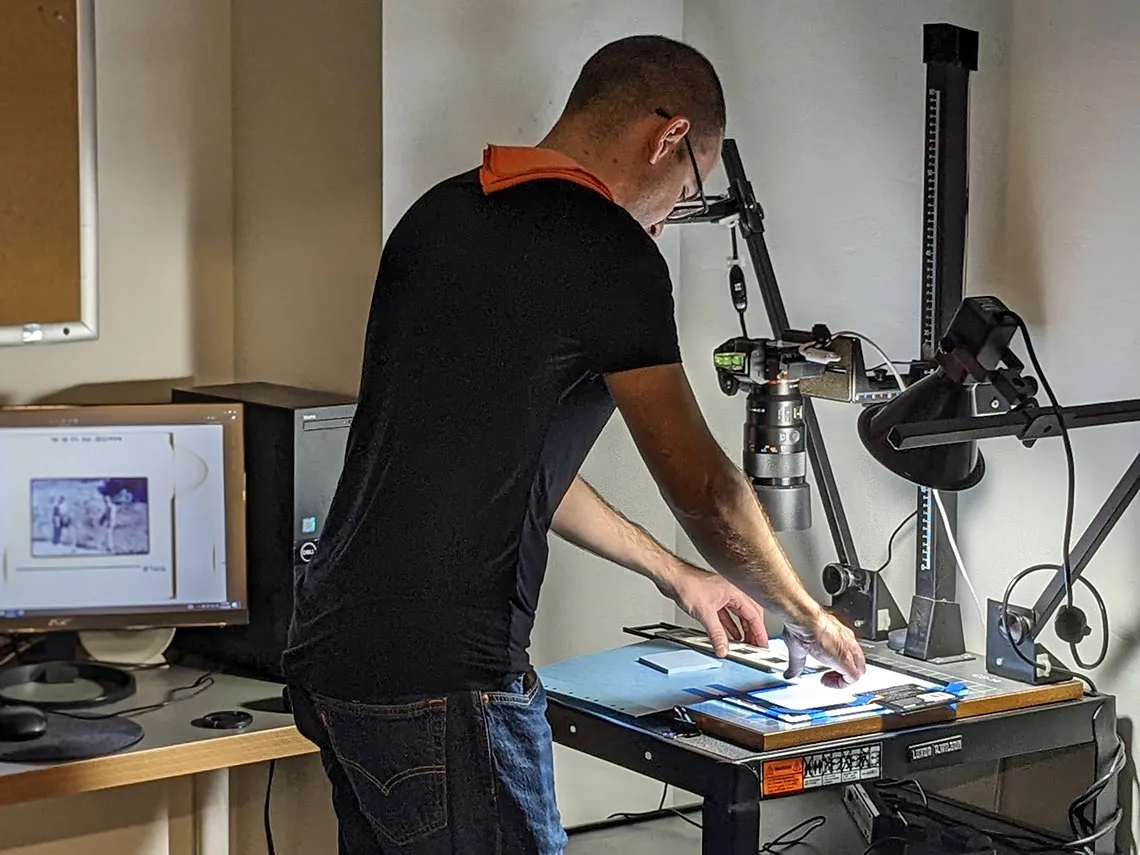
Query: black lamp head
[[951, 467]]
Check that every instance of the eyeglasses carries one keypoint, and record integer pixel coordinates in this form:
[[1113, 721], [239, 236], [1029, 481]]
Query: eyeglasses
[[693, 205]]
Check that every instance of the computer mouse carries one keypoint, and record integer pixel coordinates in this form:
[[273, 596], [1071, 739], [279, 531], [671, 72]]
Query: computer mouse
[[21, 723]]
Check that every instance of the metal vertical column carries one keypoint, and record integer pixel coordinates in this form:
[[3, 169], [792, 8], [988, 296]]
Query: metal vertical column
[[935, 628]]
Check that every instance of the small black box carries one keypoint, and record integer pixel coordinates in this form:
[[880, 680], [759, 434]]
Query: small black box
[[294, 451]]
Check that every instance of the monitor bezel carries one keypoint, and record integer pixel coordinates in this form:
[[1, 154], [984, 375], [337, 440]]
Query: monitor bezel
[[231, 417]]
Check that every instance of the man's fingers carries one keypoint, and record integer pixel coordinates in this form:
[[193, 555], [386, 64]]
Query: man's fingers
[[716, 632], [752, 620], [850, 663], [730, 625], [797, 658], [834, 680]]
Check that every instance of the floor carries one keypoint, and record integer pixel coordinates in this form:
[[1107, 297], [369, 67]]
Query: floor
[[673, 836]]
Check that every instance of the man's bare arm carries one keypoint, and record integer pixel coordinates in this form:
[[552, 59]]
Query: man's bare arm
[[586, 520], [716, 505], [708, 494]]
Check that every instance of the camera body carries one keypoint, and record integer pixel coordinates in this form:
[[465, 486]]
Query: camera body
[[776, 375]]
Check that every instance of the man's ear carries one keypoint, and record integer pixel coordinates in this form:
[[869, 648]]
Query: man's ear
[[670, 136]]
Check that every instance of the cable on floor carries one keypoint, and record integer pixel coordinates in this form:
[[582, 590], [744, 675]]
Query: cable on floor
[[786, 839], [661, 810]]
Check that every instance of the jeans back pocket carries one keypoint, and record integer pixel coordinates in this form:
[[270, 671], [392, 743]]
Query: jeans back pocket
[[395, 757]]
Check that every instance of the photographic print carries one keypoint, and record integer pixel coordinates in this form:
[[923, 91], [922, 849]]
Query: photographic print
[[89, 517]]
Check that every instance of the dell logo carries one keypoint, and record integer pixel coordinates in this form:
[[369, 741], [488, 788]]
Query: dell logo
[[307, 551]]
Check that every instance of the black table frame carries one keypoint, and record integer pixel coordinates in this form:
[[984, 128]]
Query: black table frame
[[728, 778]]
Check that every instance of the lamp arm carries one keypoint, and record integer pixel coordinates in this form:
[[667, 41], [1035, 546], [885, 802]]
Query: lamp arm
[[1026, 425]]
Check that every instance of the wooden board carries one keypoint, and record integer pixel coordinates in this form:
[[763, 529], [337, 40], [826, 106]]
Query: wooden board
[[1014, 696], [43, 200]]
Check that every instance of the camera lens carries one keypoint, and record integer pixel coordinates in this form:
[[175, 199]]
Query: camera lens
[[775, 454]]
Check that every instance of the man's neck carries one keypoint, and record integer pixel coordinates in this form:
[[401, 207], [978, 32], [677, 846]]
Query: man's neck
[[586, 152]]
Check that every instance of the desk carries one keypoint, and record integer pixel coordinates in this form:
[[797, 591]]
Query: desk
[[172, 747], [728, 775]]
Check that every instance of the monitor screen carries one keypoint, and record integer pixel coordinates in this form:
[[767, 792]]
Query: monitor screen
[[121, 517]]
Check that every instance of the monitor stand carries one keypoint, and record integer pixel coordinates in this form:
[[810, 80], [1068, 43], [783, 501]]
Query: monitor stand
[[49, 673], [127, 647]]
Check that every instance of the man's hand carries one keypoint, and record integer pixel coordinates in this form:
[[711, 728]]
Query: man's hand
[[717, 507], [715, 602], [829, 642]]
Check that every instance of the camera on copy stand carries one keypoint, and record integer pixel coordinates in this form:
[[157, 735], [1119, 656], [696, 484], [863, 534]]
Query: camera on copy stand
[[776, 375]]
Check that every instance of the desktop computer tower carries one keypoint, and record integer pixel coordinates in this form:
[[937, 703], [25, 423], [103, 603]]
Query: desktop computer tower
[[295, 442]]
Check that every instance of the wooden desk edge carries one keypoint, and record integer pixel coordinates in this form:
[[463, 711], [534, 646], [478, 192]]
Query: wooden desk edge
[[152, 764], [1028, 698]]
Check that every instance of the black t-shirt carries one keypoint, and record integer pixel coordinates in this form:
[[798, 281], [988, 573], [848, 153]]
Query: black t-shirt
[[494, 318]]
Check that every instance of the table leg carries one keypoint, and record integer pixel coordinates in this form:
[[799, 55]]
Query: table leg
[[730, 828], [212, 812]]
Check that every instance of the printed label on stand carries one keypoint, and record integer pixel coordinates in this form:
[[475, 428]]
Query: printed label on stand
[[781, 777], [824, 769], [936, 748]]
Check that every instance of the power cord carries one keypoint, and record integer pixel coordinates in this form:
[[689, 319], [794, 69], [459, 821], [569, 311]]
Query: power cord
[[891, 542], [1070, 623], [1070, 465], [792, 837], [268, 822], [880, 842], [1084, 830], [953, 541], [785, 839], [661, 810], [200, 685], [891, 366], [891, 784]]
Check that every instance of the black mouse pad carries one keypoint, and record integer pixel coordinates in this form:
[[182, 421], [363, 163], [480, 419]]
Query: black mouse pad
[[69, 738]]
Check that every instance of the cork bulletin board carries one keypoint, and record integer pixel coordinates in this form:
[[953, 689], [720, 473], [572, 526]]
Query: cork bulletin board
[[48, 283]]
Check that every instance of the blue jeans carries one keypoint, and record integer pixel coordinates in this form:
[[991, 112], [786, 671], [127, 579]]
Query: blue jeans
[[469, 773]]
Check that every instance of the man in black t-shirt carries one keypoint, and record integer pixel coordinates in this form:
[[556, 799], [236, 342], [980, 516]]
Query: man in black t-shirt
[[516, 307]]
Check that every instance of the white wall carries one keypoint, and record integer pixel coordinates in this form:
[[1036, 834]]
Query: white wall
[[1071, 221], [456, 77], [307, 189]]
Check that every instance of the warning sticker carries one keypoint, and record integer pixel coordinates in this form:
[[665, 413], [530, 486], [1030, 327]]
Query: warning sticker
[[783, 776]]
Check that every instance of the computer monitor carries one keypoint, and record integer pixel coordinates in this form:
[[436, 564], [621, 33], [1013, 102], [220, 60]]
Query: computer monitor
[[121, 517]]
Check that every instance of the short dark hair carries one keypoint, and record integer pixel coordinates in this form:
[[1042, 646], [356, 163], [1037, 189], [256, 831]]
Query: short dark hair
[[638, 75]]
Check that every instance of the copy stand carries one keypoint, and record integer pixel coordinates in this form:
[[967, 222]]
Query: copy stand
[[860, 597]]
